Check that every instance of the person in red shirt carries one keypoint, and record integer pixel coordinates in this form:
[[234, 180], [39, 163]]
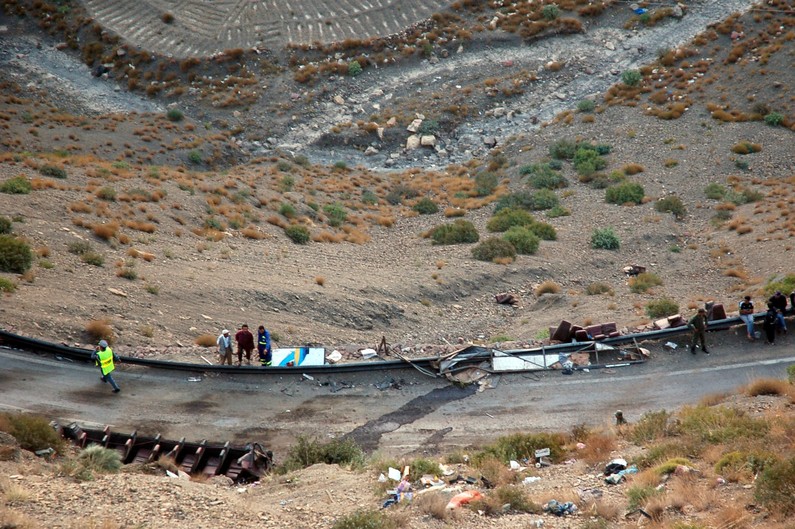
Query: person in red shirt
[[245, 342]]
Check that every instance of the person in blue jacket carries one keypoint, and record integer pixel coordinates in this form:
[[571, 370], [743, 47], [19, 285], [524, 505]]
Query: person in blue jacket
[[264, 346]]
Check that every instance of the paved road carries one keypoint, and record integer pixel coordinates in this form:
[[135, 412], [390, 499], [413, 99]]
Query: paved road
[[423, 415]]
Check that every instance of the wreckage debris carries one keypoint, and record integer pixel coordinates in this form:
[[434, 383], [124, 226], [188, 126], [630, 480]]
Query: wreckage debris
[[240, 464]]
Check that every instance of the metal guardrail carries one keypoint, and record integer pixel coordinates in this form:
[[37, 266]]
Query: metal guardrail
[[16, 341]]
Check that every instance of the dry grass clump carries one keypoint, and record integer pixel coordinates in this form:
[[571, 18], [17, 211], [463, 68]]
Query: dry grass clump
[[496, 472], [105, 231], [252, 233], [100, 330], [138, 254], [206, 340], [770, 386], [320, 280], [435, 505], [632, 169], [16, 520], [547, 287], [598, 447]]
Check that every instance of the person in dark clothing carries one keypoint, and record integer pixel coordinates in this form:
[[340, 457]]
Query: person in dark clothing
[[698, 324], [747, 315], [264, 346], [792, 302], [769, 324], [245, 342], [779, 302]]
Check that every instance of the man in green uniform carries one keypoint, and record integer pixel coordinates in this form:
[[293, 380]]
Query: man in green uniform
[[104, 357], [698, 324]]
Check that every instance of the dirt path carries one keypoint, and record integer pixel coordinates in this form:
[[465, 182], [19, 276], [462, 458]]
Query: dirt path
[[424, 415]]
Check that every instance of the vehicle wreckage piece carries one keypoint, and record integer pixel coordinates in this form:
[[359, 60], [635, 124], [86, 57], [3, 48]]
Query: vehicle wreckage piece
[[240, 463]]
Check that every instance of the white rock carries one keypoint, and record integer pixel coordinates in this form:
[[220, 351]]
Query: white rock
[[414, 126], [412, 142], [428, 140], [339, 100]]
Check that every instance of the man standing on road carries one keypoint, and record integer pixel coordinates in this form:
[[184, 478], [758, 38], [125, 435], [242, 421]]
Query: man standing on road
[[264, 346], [224, 342], [245, 342], [698, 324], [104, 356], [747, 315]]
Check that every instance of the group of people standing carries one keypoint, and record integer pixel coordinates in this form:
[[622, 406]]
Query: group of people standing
[[772, 322], [245, 344]]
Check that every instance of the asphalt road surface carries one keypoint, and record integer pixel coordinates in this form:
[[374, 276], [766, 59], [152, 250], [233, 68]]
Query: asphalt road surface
[[416, 414]]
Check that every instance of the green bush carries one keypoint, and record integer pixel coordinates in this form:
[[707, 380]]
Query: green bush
[[625, 193], [720, 424], [53, 171], [791, 374], [425, 206], [673, 205], [18, 185], [485, 184], [520, 446], [542, 176], [297, 233], [5, 225], [660, 308], [214, 223], [785, 284], [563, 149], [307, 451], [92, 258], [459, 232], [643, 282], [631, 77], [544, 231], [715, 191], [525, 241], [195, 156], [6, 285], [494, 248], [774, 488], [506, 218], [174, 114], [550, 12], [336, 214], [520, 200], [428, 126], [586, 105], [15, 255], [638, 495], [774, 119], [106, 193], [79, 247], [340, 165], [96, 458], [605, 239], [587, 161], [33, 432], [652, 426], [558, 211], [368, 197], [287, 209], [365, 519], [354, 68], [544, 199]]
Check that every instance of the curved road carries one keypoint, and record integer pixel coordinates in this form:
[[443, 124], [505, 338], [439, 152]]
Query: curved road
[[416, 414]]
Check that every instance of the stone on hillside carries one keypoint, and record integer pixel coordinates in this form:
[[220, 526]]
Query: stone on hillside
[[371, 151], [339, 100], [428, 140], [414, 126], [412, 142]]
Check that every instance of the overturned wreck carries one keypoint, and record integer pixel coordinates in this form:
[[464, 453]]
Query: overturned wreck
[[239, 463]]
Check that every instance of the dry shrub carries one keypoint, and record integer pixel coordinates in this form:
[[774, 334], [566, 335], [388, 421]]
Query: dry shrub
[[16, 520], [79, 207], [276, 220], [632, 169], [167, 463], [686, 491], [598, 447], [320, 280], [105, 231], [385, 221], [435, 505], [734, 516], [327, 236], [356, 236], [43, 251], [770, 386], [547, 287], [100, 330], [146, 227], [733, 272], [496, 472], [454, 212], [252, 233], [206, 340], [606, 511]]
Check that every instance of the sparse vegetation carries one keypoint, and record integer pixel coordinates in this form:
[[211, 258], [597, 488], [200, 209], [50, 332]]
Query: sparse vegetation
[[493, 249], [307, 451], [643, 282], [174, 114], [18, 185], [660, 308], [15, 255], [458, 232], [605, 239], [671, 204], [425, 206], [33, 432], [631, 77], [297, 233], [5, 226], [774, 119], [523, 240], [625, 193]]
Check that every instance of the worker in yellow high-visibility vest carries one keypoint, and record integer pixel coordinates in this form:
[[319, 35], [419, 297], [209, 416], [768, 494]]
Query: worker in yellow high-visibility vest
[[104, 357]]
